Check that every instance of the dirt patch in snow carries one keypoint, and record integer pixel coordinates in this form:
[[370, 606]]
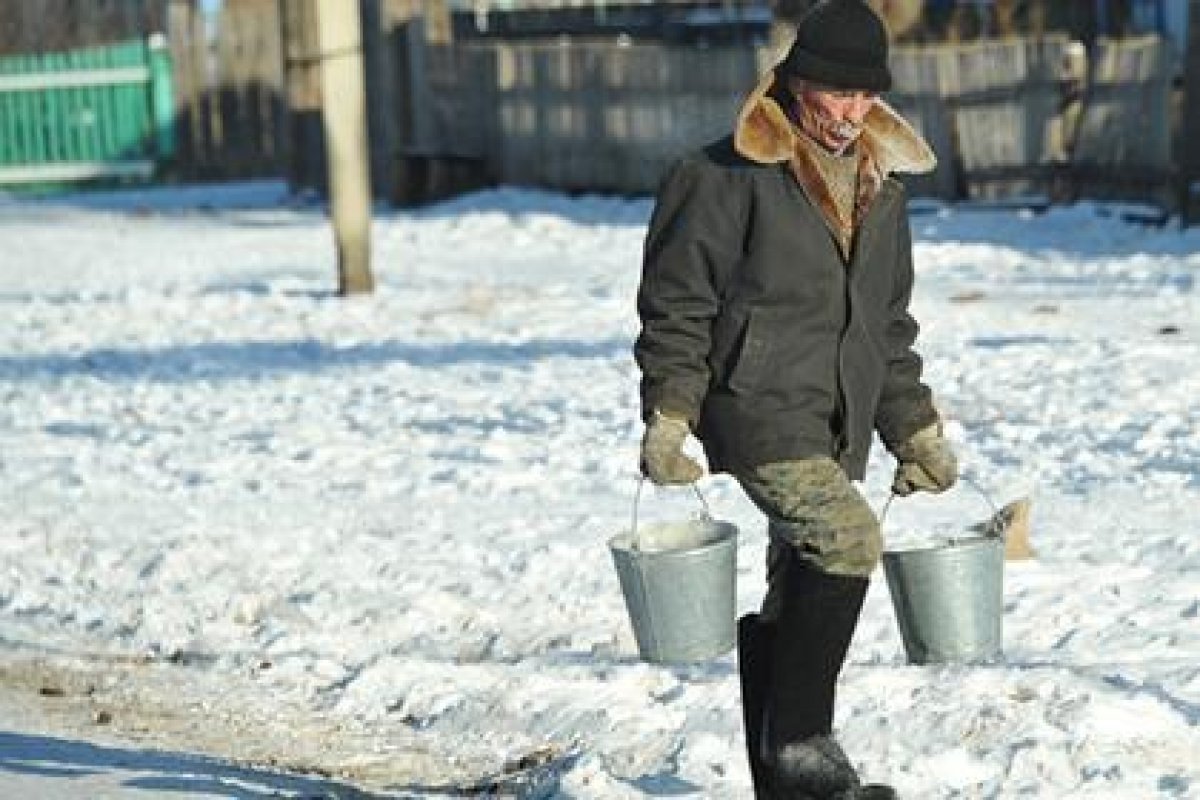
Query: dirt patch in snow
[[155, 706]]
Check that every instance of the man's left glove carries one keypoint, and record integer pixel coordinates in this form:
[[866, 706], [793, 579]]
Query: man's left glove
[[663, 460], [926, 463]]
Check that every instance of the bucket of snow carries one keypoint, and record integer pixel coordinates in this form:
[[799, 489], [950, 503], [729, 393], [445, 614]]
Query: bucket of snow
[[949, 599], [678, 579]]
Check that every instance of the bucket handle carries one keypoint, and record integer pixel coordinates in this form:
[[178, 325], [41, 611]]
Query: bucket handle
[[637, 496], [969, 481]]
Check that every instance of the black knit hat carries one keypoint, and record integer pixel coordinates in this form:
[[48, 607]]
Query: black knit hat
[[842, 44]]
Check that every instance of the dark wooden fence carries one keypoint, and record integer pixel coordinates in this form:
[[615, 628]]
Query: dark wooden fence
[[230, 102], [996, 100], [605, 115], [1127, 114], [29, 27], [584, 116], [1000, 115]]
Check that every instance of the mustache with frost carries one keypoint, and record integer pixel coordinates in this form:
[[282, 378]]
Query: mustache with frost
[[842, 132]]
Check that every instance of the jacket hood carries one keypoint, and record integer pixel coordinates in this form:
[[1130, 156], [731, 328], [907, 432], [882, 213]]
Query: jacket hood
[[765, 134]]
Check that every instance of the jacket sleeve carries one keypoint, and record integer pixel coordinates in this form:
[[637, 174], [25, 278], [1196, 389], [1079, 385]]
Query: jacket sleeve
[[906, 403], [694, 236]]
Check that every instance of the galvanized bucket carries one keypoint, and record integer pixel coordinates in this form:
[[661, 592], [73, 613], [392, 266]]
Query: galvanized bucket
[[679, 582], [949, 599]]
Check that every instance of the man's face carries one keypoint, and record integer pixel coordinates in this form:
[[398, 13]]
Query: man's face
[[832, 117]]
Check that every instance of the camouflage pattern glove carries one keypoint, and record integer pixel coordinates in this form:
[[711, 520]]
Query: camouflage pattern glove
[[926, 463], [663, 460]]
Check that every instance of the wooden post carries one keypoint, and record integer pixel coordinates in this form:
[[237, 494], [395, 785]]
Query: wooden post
[[1189, 158], [344, 111]]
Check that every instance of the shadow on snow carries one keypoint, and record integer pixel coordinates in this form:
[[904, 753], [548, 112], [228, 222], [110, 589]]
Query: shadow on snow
[[139, 770], [251, 360]]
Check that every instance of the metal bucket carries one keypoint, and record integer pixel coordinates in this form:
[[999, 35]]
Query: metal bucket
[[679, 582], [949, 600]]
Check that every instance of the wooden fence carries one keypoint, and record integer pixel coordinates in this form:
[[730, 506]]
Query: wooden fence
[[989, 106], [230, 110], [30, 27], [90, 113], [605, 116], [1124, 142], [599, 117]]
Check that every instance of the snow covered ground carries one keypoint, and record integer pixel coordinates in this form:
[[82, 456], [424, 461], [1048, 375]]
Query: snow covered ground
[[367, 536]]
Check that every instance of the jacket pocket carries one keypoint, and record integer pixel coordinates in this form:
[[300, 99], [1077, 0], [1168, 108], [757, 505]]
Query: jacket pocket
[[753, 353]]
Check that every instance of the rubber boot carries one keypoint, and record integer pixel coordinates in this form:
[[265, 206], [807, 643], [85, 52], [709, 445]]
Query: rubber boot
[[754, 669], [817, 617]]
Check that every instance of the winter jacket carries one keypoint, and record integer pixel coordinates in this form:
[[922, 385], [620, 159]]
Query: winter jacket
[[754, 326]]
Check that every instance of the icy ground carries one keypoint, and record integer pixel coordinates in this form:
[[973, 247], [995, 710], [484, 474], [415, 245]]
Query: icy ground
[[365, 538]]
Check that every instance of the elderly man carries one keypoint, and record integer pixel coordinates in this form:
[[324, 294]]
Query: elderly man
[[775, 326]]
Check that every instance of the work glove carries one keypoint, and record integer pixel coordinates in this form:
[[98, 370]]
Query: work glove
[[663, 460], [926, 463]]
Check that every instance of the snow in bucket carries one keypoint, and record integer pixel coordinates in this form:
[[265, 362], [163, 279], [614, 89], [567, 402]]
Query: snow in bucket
[[935, 534], [924, 521], [676, 535]]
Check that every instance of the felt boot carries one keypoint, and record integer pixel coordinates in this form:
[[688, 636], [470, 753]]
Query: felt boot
[[817, 617], [754, 669]]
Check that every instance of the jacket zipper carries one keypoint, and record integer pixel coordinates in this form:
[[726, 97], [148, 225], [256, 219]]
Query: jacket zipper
[[841, 445]]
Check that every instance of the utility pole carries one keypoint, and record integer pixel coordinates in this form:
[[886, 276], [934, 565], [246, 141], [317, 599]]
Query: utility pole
[[1189, 158], [344, 111]]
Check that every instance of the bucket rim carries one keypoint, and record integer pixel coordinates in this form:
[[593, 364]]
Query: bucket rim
[[955, 543], [623, 541]]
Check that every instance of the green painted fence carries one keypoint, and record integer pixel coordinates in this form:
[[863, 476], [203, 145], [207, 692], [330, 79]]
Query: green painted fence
[[88, 114]]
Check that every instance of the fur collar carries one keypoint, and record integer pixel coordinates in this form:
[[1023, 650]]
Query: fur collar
[[888, 144], [766, 134]]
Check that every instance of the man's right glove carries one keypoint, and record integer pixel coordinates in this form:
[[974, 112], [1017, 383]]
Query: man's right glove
[[663, 460], [926, 463]]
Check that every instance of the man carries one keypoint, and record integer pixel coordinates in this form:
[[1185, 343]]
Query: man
[[775, 326]]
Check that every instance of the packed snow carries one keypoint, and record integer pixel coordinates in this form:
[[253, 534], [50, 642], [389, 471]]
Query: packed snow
[[387, 516]]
